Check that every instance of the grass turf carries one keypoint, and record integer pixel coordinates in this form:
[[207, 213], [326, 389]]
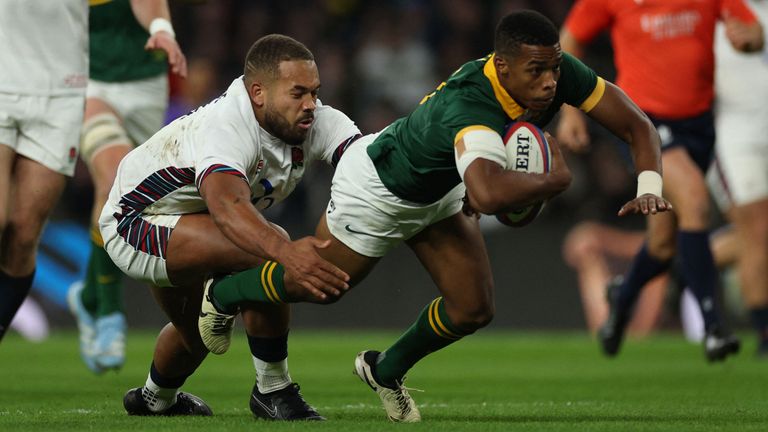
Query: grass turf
[[493, 381]]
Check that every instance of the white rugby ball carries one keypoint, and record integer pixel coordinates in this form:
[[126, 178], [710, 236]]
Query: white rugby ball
[[527, 151]]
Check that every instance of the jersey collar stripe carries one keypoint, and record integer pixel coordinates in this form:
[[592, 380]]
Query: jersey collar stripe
[[509, 105]]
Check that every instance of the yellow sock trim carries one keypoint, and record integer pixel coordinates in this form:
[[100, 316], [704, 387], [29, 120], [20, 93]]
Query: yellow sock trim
[[272, 283], [264, 282], [96, 236], [434, 321]]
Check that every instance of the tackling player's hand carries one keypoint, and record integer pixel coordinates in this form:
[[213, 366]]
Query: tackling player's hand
[[165, 42], [646, 204], [308, 277], [467, 208]]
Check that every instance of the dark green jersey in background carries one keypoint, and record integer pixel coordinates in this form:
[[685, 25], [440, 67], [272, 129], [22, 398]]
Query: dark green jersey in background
[[414, 156], [117, 44]]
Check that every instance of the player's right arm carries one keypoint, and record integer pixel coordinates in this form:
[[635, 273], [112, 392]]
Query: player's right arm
[[492, 189], [155, 17], [228, 200]]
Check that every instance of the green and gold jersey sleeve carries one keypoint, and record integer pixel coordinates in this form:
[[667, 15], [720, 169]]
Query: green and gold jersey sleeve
[[579, 86]]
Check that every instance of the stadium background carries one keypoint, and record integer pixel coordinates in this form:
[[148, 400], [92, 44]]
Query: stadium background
[[376, 61]]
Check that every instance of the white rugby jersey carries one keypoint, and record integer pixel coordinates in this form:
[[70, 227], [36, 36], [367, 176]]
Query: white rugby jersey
[[162, 176], [742, 79], [43, 46]]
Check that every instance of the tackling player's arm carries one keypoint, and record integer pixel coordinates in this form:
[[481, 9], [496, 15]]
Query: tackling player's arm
[[572, 130], [228, 200], [155, 17], [617, 113], [492, 189]]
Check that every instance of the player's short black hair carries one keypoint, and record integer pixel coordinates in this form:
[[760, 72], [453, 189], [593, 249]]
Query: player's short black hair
[[524, 27], [265, 55]]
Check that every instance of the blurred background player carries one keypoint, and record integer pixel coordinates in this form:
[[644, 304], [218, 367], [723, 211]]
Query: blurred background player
[[598, 253], [132, 43], [647, 38], [741, 118], [43, 74]]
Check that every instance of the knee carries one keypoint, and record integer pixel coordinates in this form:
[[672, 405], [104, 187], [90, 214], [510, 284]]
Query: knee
[[662, 247], [472, 318], [21, 235], [581, 242]]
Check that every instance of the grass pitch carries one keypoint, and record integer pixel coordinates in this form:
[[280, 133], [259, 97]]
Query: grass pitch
[[493, 381]]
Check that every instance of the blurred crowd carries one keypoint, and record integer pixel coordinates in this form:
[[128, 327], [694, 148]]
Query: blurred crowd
[[376, 60]]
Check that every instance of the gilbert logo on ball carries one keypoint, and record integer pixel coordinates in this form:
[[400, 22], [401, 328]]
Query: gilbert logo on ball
[[527, 151]]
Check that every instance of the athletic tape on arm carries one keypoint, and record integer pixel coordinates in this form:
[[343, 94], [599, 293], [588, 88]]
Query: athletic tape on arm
[[478, 142], [649, 182], [161, 24]]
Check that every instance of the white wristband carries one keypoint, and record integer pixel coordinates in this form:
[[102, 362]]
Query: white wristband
[[161, 24], [649, 182]]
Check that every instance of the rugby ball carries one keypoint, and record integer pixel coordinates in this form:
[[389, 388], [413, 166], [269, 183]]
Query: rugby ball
[[527, 151]]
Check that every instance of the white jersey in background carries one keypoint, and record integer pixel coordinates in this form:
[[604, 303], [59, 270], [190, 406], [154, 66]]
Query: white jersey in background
[[741, 116], [37, 53], [158, 181]]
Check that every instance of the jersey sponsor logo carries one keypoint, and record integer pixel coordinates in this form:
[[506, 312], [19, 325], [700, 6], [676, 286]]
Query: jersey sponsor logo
[[354, 231], [670, 25]]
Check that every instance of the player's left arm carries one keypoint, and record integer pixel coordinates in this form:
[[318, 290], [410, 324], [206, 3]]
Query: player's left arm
[[616, 112], [155, 16]]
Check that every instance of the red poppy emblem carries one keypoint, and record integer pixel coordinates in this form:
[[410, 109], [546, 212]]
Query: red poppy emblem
[[297, 156]]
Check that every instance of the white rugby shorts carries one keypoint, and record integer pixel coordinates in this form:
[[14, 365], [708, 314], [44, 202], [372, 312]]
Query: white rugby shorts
[[45, 129], [742, 153], [141, 104], [140, 257], [364, 215]]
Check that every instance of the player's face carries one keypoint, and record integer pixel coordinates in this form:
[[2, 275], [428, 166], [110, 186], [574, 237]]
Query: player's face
[[291, 100], [531, 76]]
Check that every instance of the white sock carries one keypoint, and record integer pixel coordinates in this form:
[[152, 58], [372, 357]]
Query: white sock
[[158, 399], [690, 315], [271, 376]]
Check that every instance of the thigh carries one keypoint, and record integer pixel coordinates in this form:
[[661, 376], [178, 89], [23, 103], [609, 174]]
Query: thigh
[[7, 156], [453, 252], [35, 190], [356, 265], [197, 248]]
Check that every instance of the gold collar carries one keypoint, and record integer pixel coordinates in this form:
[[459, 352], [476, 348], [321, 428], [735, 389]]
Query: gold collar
[[509, 105]]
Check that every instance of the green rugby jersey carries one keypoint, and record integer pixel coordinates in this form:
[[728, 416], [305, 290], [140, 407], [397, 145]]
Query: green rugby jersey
[[117, 44], [414, 156]]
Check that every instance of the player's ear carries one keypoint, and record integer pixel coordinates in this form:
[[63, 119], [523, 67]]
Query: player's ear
[[256, 92], [502, 67]]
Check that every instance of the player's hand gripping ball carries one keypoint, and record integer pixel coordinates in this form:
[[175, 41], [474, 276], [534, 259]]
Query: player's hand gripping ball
[[527, 151]]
